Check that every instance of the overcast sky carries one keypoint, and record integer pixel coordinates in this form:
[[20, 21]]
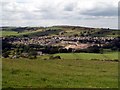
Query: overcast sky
[[93, 13]]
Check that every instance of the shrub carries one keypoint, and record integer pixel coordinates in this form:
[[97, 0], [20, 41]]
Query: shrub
[[54, 57]]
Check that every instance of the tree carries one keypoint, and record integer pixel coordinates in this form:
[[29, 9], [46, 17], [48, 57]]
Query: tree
[[32, 55], [63, 50], [82, 35], [114, 48], [75, 35], [93, 49], [101, 50], [5, 54], [70, 50]]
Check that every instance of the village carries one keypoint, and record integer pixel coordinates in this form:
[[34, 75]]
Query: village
[[41, 45], [66, 41]]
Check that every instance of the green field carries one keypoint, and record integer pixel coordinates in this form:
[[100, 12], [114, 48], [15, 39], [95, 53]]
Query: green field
[[72, 71], [89, 56], [14, 33], [8, 33]]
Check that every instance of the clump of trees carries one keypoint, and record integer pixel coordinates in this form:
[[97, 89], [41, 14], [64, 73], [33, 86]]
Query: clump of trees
[[113, 45], [92, 49], [6, 47], [18, 50]]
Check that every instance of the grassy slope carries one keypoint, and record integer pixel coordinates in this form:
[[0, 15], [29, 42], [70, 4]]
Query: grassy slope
[[30, 33], [69, 31], [14, 33], [108, 33], [8, 33], [60, 73]]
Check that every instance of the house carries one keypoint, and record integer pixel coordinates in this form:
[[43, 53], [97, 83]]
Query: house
[[39, 53], [78, 46]]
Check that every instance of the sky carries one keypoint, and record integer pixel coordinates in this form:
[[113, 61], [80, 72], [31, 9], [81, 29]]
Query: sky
[[90, 13]]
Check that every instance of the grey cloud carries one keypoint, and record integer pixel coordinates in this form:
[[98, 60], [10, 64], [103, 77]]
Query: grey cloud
[[98, 11], [69, 7], [60, 13], [46, 14]]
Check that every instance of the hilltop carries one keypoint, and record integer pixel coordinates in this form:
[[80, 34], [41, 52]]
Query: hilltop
[[59, 30]]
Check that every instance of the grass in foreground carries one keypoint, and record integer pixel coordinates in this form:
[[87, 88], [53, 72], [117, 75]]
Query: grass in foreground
[[69, 73]]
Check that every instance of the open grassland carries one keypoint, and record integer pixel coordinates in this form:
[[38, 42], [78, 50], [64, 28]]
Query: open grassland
[[84, 56], [62, 73], [89, 56], [38, 32], [15, 33], [8, 33]]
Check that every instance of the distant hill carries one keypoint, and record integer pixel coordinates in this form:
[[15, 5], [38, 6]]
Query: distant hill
[[59, 30]]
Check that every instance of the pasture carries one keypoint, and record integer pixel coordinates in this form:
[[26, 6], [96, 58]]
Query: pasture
[[15, 33], [89, 56], [72, 71]]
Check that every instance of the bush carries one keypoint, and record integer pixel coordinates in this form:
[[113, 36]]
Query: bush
[[54, 57], [94, 49]]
